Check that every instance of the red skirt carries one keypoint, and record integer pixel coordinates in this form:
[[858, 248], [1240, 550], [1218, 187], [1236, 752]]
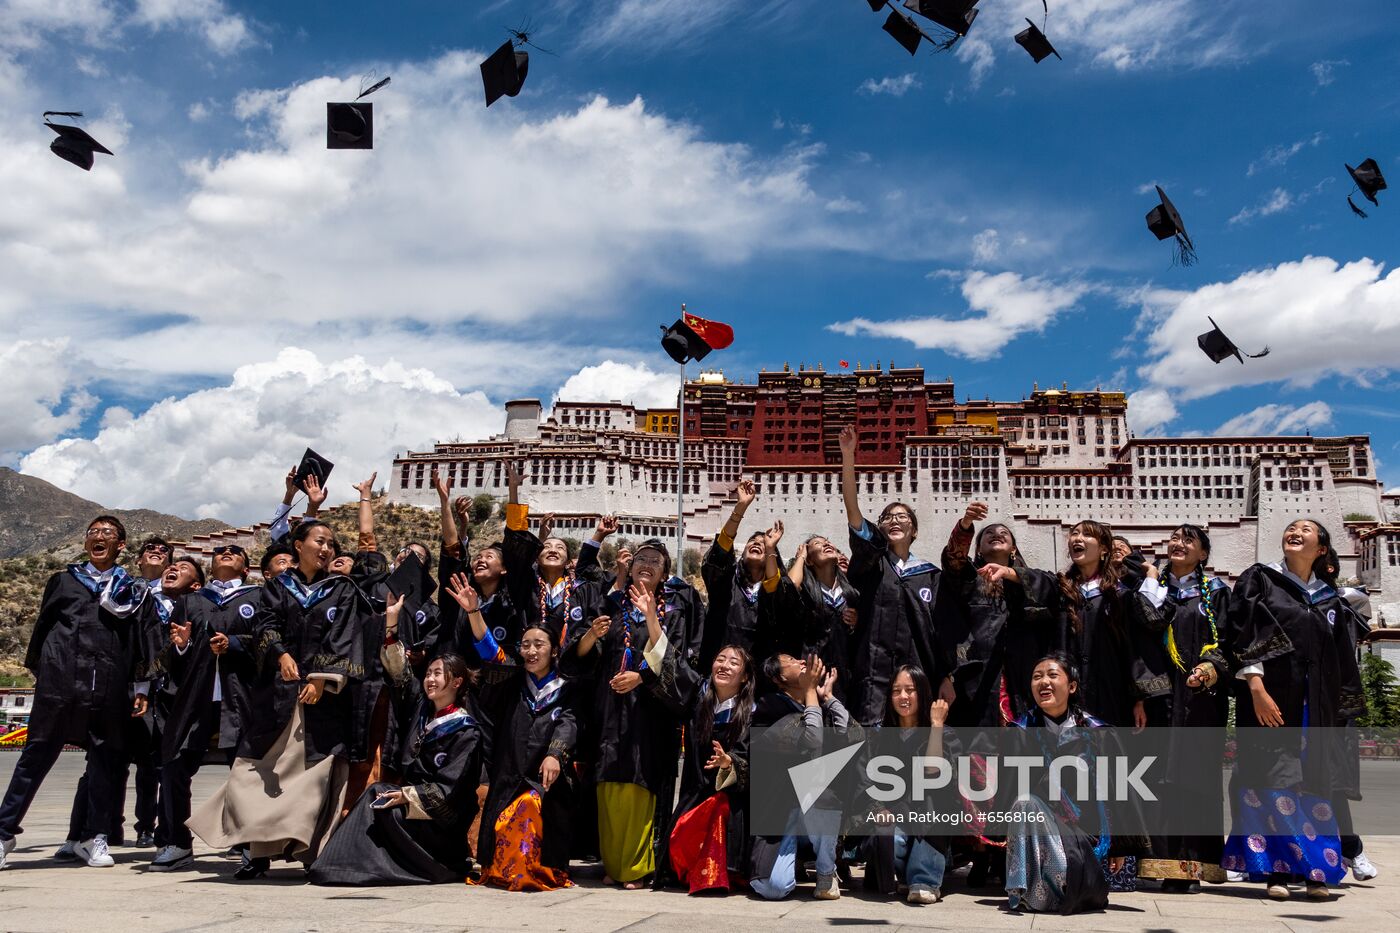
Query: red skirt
[[699, 845]]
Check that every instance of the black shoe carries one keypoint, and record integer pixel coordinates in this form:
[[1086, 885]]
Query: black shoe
[[252, 868], [145, 841]]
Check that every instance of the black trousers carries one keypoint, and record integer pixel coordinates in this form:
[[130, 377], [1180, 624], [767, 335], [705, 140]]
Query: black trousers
[[176, 777], [142, 750], [100, 782]]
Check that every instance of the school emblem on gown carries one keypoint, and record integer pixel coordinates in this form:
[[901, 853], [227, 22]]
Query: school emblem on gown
[[330, 614], [1331, 617], [439, 759], [420, 616], [926, 594], [499, 632], [576, 613], [246, 610]]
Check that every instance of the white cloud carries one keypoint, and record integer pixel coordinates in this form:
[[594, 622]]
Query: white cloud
[[444, 226], [1125, 35], [894, 87], [1005, 306], [1149, 410], [1278, 156], [24, 23], [632, 383], [1274, 202], [236, 441], [1324, 71], [198, 112], [656, 24], [1278, 419], [42, 385], [225, 32], [986, 246], [1320, 318]]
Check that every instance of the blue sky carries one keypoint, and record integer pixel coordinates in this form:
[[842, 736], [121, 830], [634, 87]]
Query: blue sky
[[784, 167]]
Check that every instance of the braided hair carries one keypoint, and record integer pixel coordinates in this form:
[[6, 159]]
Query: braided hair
[[1203, 580]]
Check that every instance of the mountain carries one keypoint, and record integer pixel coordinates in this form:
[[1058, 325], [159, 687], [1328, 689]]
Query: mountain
[[37, 516]]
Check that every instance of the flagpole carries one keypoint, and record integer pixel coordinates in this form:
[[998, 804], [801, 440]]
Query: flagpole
[[680, 481]]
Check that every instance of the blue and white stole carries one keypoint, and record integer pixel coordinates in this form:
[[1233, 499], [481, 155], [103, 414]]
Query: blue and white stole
[[541, 693], [308, 595], [119, 593]]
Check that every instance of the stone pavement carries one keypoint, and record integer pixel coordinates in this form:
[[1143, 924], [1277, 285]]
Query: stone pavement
[[38, 894]]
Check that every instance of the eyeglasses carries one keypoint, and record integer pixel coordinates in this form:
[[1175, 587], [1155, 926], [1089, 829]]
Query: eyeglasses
[[102, 533], [897, 518], [155, 549], [641, 561], [228, 549]]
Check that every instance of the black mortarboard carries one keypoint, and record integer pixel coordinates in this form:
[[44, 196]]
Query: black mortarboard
[[73, 144], [351, 125], [1218, 347], [1033, 41], [503, 73], [905, 31], [876, 5], [1369, 180], [313, 464], [956, 16], [1164, 221], [411, 581]]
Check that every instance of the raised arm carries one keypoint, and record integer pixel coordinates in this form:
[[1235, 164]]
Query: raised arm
[[745, 493], [366, 512], [849, 491], [446, 520]]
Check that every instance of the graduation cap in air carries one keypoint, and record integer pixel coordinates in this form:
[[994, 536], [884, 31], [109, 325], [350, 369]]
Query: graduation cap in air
[[73, 144], [312, 464], [1033, 40], [1218, 347], [351, 125], [1369, 180], [503, 72], [692, 338], [1165, 221], [954, 16], [905, 31]]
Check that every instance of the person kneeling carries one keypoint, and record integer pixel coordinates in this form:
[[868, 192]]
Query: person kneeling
[[415, 833]]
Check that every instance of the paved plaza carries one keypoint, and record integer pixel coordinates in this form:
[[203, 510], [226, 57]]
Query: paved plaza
[[38, 894]]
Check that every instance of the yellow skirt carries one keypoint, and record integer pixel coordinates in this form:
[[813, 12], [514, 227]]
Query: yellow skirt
[[515, 864], [626, 813]]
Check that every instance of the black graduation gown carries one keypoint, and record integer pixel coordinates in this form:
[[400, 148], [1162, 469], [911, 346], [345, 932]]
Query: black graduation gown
[[732, 614], [440, 767], [807, 623], [192, 673], [1104, 652], [1000, 635], [900, 622], [1192, 785], [84, 660], [638, 734], [324, 637], [683, 689], [525, 733], [1307, 648], [522, 550], [504, 616], [1086, 887]]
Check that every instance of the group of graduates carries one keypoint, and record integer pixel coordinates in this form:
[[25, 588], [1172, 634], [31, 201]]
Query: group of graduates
[[534, 712]]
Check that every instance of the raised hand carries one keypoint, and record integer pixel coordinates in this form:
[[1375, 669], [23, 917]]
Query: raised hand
[[461, 590], [315, 495], [938, 712], [291, 482], [392, 610], [811, 675], [993, 573], [847, 440], [607, 525], [773, 535], [976, 512], [643, 600], [719, 758], [366, 487], [546, 525], [180, 635], [828, 685], [440, 484], [746, 492]]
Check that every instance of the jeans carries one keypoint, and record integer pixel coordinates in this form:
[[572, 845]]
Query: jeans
[[917, 862], [820, 828]]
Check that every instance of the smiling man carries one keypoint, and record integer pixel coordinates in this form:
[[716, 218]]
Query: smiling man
[[87, 648]]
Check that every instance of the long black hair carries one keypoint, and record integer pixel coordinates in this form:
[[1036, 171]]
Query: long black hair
[[923, 696], [1066, 664], [454, 666], [743, 704]]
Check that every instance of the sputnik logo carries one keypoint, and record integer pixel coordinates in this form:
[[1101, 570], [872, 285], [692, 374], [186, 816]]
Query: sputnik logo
[[811, 778]]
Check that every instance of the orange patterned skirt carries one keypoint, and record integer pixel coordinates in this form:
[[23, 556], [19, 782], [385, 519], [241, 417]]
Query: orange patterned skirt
[[515, 865]]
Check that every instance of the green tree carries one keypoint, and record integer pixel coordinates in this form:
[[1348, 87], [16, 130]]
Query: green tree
[[1382, 691], [480, 509], [690, 562]]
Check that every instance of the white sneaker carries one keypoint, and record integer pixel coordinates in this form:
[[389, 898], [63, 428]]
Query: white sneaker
[[1235, 876], [94, 852], [172, 857], [66, 851], [923, 894], [6, 847], [1361, 867], [828, 888]]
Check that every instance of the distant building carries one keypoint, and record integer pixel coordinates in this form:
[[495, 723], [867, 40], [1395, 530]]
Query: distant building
[[16, 704], [1041, 463]]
